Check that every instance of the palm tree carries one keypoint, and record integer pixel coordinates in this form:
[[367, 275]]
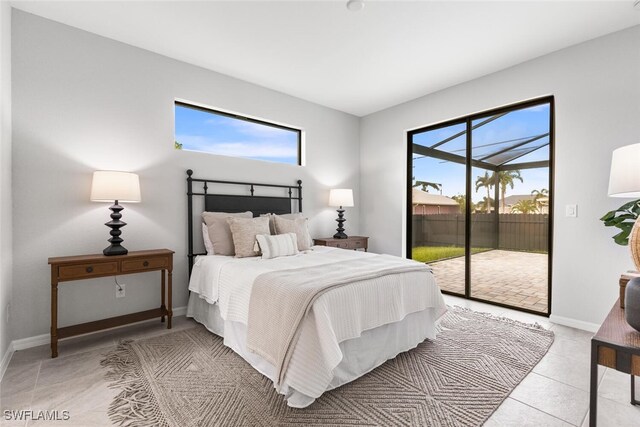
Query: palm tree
[[537, 195], [426, 184], [485, 204], [462, 203], [507, 178], [487, 182], [524, 207]]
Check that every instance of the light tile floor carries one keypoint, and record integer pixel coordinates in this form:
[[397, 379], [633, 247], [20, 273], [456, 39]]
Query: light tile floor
[[555, 393], [514, 278]]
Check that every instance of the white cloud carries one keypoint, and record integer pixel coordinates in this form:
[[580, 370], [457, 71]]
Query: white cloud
[[264, 149]]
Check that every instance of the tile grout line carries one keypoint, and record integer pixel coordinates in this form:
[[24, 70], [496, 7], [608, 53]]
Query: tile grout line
[[560, 382], [544, 412]]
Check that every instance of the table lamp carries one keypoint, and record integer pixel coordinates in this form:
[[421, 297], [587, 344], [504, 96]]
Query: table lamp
[[624, 181], [114, 186], [340, 197]]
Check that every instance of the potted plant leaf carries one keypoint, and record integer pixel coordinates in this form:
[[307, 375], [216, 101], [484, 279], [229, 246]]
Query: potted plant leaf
[[624, 219]]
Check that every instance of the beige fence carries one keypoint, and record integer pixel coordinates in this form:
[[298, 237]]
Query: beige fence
[[520, 232]]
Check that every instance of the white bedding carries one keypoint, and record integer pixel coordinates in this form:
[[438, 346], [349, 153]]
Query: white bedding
[[336, 317]]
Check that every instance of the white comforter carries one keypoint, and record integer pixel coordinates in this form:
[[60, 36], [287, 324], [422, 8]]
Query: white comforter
[[338, 315]]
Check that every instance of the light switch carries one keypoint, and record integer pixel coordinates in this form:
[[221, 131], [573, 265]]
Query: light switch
[[571, 211]]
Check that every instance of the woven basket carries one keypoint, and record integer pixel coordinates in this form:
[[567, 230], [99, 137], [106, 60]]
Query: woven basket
[[634, 244]]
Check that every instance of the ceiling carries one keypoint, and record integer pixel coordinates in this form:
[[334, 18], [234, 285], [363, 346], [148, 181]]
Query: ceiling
[[357, 62]]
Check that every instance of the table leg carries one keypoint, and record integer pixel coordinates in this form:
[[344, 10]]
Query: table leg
[[162, 290], [54, 319], [593, 398], [169, 295], [633, 391]]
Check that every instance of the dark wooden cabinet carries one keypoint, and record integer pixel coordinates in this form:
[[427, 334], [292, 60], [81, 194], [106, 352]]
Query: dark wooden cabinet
[[616, 345], [69, 268], [351, 242]]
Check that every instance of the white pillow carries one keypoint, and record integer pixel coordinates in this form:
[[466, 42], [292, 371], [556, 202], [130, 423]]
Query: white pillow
[[277, 246], [207, 240]]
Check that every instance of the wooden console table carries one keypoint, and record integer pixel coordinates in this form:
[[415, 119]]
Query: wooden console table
[[65, 269], [616, 345]]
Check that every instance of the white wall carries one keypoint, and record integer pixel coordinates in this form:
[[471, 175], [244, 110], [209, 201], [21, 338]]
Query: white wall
[[597, 91], [81, 103], [6, 284]]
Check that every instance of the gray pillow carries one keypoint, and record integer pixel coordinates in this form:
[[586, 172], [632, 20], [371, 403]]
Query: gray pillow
[[244, 231], [272, 222], [298, 226], [219, 231]]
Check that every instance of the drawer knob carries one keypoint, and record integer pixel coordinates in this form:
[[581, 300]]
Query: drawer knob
[[145, 264], [89, 269]]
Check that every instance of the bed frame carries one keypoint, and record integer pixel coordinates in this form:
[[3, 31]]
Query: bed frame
[[258, 204]]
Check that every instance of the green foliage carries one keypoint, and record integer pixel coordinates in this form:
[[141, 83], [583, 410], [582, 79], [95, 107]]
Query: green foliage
[[462, 203], [622, 218], [487, 182], [177, 145], [427, 184], [507, 178], [485, 204], [436, 253], [525, 207]]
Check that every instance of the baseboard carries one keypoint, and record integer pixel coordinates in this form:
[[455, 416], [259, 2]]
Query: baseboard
[[573, 323], [25, 343], [6, 358]]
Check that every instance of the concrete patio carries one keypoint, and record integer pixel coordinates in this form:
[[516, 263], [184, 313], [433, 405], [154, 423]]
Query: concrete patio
[[518, 279]]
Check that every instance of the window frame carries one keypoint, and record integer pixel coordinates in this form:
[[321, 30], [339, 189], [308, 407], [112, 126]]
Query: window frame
[[236, 116]]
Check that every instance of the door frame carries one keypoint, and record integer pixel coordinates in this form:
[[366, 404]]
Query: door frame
[[550, 99]]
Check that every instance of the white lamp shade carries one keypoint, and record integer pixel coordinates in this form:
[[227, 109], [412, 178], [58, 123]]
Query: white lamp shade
[[108, 186], [624, 180], [341, 197]]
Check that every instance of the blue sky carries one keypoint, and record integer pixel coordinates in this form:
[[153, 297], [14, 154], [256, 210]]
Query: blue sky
[[488, 138], [198, 130]]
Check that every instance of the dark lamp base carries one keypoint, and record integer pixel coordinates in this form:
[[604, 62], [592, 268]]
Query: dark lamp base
[[115, 250], [340, 230], [115, 225]]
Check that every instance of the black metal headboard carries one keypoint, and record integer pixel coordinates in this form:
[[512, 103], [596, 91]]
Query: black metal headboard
[[249, 201]]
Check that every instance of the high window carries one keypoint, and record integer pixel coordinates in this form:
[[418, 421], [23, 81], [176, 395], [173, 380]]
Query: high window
[[216, 132]]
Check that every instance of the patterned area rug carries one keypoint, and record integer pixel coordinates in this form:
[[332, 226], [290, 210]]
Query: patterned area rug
[[189, 378]]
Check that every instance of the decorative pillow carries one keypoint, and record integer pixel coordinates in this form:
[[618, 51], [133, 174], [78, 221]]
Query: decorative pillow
[[277, 246], [219, 231], [272, 223], [244, 231], [207, 240], [298, 226]]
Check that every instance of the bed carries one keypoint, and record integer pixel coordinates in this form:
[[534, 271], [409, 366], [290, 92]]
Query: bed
[[372, 307]]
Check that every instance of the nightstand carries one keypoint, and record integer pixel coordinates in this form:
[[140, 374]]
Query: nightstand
[[65, 269], [351, 242]]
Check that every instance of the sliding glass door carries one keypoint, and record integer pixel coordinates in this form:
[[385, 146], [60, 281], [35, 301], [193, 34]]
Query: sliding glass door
[[480, 203], [438, 195]]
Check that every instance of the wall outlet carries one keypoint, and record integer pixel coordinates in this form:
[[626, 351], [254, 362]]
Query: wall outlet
[[120, 290], [571, 211]]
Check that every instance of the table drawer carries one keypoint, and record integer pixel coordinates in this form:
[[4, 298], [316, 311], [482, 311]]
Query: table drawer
[[143, 264], [348, 244], [360, 243], [81, 271]]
